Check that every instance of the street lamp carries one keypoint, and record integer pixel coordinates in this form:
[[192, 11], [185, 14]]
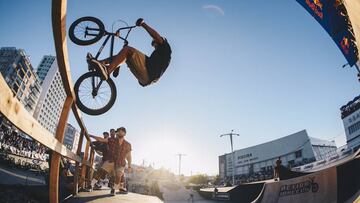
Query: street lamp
[[180, 155], [232, 153]]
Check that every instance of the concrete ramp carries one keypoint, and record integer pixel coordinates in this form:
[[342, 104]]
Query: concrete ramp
[[336, 184], [241, 193]]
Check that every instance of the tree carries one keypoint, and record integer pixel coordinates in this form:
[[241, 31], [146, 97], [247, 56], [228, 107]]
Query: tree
[[217, 180], [198, 179]]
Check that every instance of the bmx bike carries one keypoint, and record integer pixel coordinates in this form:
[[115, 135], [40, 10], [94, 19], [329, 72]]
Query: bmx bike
[[95, 96]]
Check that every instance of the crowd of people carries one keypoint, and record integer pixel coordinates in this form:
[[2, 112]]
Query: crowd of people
[[255, 176], [350, 107], [13, 143]]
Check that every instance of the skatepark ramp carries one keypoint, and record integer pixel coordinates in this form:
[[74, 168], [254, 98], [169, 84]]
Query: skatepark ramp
[[336, 183], [240, 193], [340, 183]]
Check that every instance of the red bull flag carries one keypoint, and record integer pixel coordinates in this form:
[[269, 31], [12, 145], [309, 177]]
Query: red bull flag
[[334, 17]]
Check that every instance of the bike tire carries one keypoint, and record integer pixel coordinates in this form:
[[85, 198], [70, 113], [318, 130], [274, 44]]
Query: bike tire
[[81, 42], [83, 107]]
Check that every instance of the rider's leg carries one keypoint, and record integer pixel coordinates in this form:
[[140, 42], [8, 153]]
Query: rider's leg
[[118, 59], [99, 174], [137, 65], [119, 172], [106, 168], [122, 183], [106, 61], [135, 60]]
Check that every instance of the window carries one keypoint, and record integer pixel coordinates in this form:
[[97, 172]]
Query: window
[[354, 127], [291, 163], [298, 154]]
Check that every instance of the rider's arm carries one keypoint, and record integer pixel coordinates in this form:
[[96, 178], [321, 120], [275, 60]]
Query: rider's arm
[[100, 139], [128, 158], [156, 36]]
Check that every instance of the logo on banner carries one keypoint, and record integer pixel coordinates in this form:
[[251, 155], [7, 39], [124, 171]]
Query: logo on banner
[[298, 188], [316, 6], [345, 45]]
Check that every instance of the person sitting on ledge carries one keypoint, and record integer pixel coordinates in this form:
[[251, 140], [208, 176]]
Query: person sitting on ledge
[[146, 69]]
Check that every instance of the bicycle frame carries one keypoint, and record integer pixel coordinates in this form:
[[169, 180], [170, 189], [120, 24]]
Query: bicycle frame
[[96, 84], [112, 37]]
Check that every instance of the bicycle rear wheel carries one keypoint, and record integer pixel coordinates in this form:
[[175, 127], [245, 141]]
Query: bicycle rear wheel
[[86, 30], [94, 96]]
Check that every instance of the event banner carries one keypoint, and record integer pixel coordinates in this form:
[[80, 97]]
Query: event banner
[[333, 17]]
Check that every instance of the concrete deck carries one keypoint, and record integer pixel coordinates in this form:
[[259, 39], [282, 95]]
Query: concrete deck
[[103, 196]]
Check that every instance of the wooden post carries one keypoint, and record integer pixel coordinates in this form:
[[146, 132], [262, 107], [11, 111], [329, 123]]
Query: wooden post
[[83, 165], [55, 159], [90, 167], [76, 175]]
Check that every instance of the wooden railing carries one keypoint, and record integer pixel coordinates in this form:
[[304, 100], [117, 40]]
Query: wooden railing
[[15, 112]]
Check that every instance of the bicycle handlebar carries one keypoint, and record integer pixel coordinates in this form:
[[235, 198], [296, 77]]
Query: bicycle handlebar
[[127, 34], [129, 27]]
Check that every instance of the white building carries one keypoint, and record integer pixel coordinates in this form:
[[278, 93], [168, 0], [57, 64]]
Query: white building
[[52, 97], [294, 150], [350, 114], [19, 74], [71, 138], [44, 67]]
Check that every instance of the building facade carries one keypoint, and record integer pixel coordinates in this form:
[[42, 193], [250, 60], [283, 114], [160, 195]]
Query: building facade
[[52, 97], [350, 114], [44, 67], [19, 74], [71, 138], [294, 150]]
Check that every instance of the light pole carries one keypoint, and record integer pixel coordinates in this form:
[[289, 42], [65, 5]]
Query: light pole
[[232, 153], [180, 155]]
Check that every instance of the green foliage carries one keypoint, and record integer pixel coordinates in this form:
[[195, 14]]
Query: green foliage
[[217, 180], [198, 179]]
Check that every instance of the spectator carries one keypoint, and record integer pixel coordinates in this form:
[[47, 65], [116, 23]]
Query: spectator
[[277, 170]]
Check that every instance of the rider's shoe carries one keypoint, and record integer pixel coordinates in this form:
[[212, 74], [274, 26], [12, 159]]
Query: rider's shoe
[[123, 191], [112, 192], [101, 68], [116, 72], [89, 56]]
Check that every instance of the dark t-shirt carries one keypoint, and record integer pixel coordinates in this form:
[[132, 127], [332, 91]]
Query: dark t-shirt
[[158, 61], [102, 148]]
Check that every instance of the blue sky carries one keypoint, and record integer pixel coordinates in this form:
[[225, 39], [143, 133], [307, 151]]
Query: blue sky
[[265, 69]]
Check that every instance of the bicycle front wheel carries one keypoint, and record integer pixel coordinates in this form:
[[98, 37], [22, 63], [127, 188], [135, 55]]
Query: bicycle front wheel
[[94, 96], [86, 30]]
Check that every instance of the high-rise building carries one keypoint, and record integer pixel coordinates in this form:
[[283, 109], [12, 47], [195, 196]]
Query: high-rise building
[[44, 67], [19, 74], [71, 138], [52, 97]]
